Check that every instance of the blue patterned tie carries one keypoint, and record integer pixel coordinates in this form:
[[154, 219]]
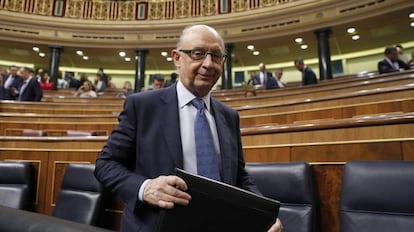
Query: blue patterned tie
[[207, 164]]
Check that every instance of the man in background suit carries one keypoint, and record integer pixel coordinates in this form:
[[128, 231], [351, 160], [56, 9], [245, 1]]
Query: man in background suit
[[263, 74], [308, 75], [11, 83], [142, 152], [391, 62], [30, 89]]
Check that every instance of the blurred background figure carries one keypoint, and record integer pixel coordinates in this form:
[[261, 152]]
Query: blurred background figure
[[278, 77], [250, 93], [100, 84], [12, 83], [86, 90], [126, 90], [391, 62], [308, 75], [30, 89], [157, 82], [45, 82], [173, 79]]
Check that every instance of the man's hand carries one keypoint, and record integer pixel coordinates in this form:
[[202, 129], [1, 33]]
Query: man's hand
[[166, 191], [277, 227]]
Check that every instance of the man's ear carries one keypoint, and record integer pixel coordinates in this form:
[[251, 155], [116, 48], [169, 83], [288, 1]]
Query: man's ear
[[176, 58]]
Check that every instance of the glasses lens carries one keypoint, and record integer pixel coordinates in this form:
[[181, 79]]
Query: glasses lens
[[199, 54]]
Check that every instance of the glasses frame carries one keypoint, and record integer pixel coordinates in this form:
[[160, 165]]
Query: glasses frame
[[214, 58]]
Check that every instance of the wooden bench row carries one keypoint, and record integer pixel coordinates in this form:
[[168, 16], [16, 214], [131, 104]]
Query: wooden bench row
[[50, 163], [330, 112], [101, 127], [332, 84]]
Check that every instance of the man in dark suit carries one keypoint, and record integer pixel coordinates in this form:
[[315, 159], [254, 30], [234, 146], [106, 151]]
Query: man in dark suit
[[11, 84], [30, 89], [142, 152], [391, 62], [308, 75]]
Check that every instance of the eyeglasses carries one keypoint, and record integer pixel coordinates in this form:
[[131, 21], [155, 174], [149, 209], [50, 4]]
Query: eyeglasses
[[200, 54]]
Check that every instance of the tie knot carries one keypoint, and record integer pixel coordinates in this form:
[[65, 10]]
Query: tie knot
[[198, 103]]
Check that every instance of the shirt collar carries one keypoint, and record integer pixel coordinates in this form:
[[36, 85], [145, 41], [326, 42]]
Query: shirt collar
[[185, 96], [28, 79]]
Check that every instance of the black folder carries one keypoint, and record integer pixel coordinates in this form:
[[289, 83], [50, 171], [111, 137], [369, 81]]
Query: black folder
[[218, 207]]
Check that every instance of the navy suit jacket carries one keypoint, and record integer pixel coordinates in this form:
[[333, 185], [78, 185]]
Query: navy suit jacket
[[271, 83], [308, 77], [385, 67], [32, 92], [147, 144]]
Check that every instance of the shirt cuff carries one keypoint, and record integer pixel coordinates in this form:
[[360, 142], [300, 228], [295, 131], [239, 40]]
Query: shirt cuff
[[141, 190]]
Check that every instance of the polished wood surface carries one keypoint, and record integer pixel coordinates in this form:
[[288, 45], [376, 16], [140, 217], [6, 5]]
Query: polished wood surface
[[375, 123]]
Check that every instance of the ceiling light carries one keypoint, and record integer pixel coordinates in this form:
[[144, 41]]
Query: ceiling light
[[169, 58], [36, 49], [351, 30], [298, 40], [164, 54], [412, 24], [122, 54], [127, 59], [411, 15], [304, 46], [79, 52], [85, 58], [42, 54], [250, 47], [256, 53], [355, 37]]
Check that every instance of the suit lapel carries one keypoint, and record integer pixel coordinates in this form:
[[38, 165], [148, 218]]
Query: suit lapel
[[171, 125]]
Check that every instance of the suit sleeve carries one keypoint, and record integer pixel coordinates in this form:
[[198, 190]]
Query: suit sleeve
[[114, 164]]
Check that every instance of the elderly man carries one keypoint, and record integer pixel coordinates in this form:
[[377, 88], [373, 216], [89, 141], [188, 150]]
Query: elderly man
[[145, 148]]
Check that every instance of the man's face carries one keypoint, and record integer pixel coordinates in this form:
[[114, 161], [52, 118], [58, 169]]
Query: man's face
[[157, 84], [24, 74], [393, 55], [278, 74], [199, 76], [13, 71], [299, 66]]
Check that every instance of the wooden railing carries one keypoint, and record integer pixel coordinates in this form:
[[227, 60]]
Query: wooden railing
[[370, 124]]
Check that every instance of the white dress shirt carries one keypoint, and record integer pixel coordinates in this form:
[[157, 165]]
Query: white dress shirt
[[187, 113]]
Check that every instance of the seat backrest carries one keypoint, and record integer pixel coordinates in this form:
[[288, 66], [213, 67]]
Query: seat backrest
[[293, 185], [80, 133], [33, 133], [377, 196], [17, 181], [80, 196]]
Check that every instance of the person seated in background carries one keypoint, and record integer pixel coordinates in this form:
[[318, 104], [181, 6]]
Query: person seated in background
[[45, 82], [308, 75], [99, 85], [391, 62], [411, 61], [173, 79], [250, 93], [61, 82], [158, 81], [39, 74], [86, 90], [278, 77], [254, 80], [110, 84], [401, 56], [73, 82], [126, 90]]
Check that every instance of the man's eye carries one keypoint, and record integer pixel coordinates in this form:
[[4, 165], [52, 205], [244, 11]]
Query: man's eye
[[198, 53]]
